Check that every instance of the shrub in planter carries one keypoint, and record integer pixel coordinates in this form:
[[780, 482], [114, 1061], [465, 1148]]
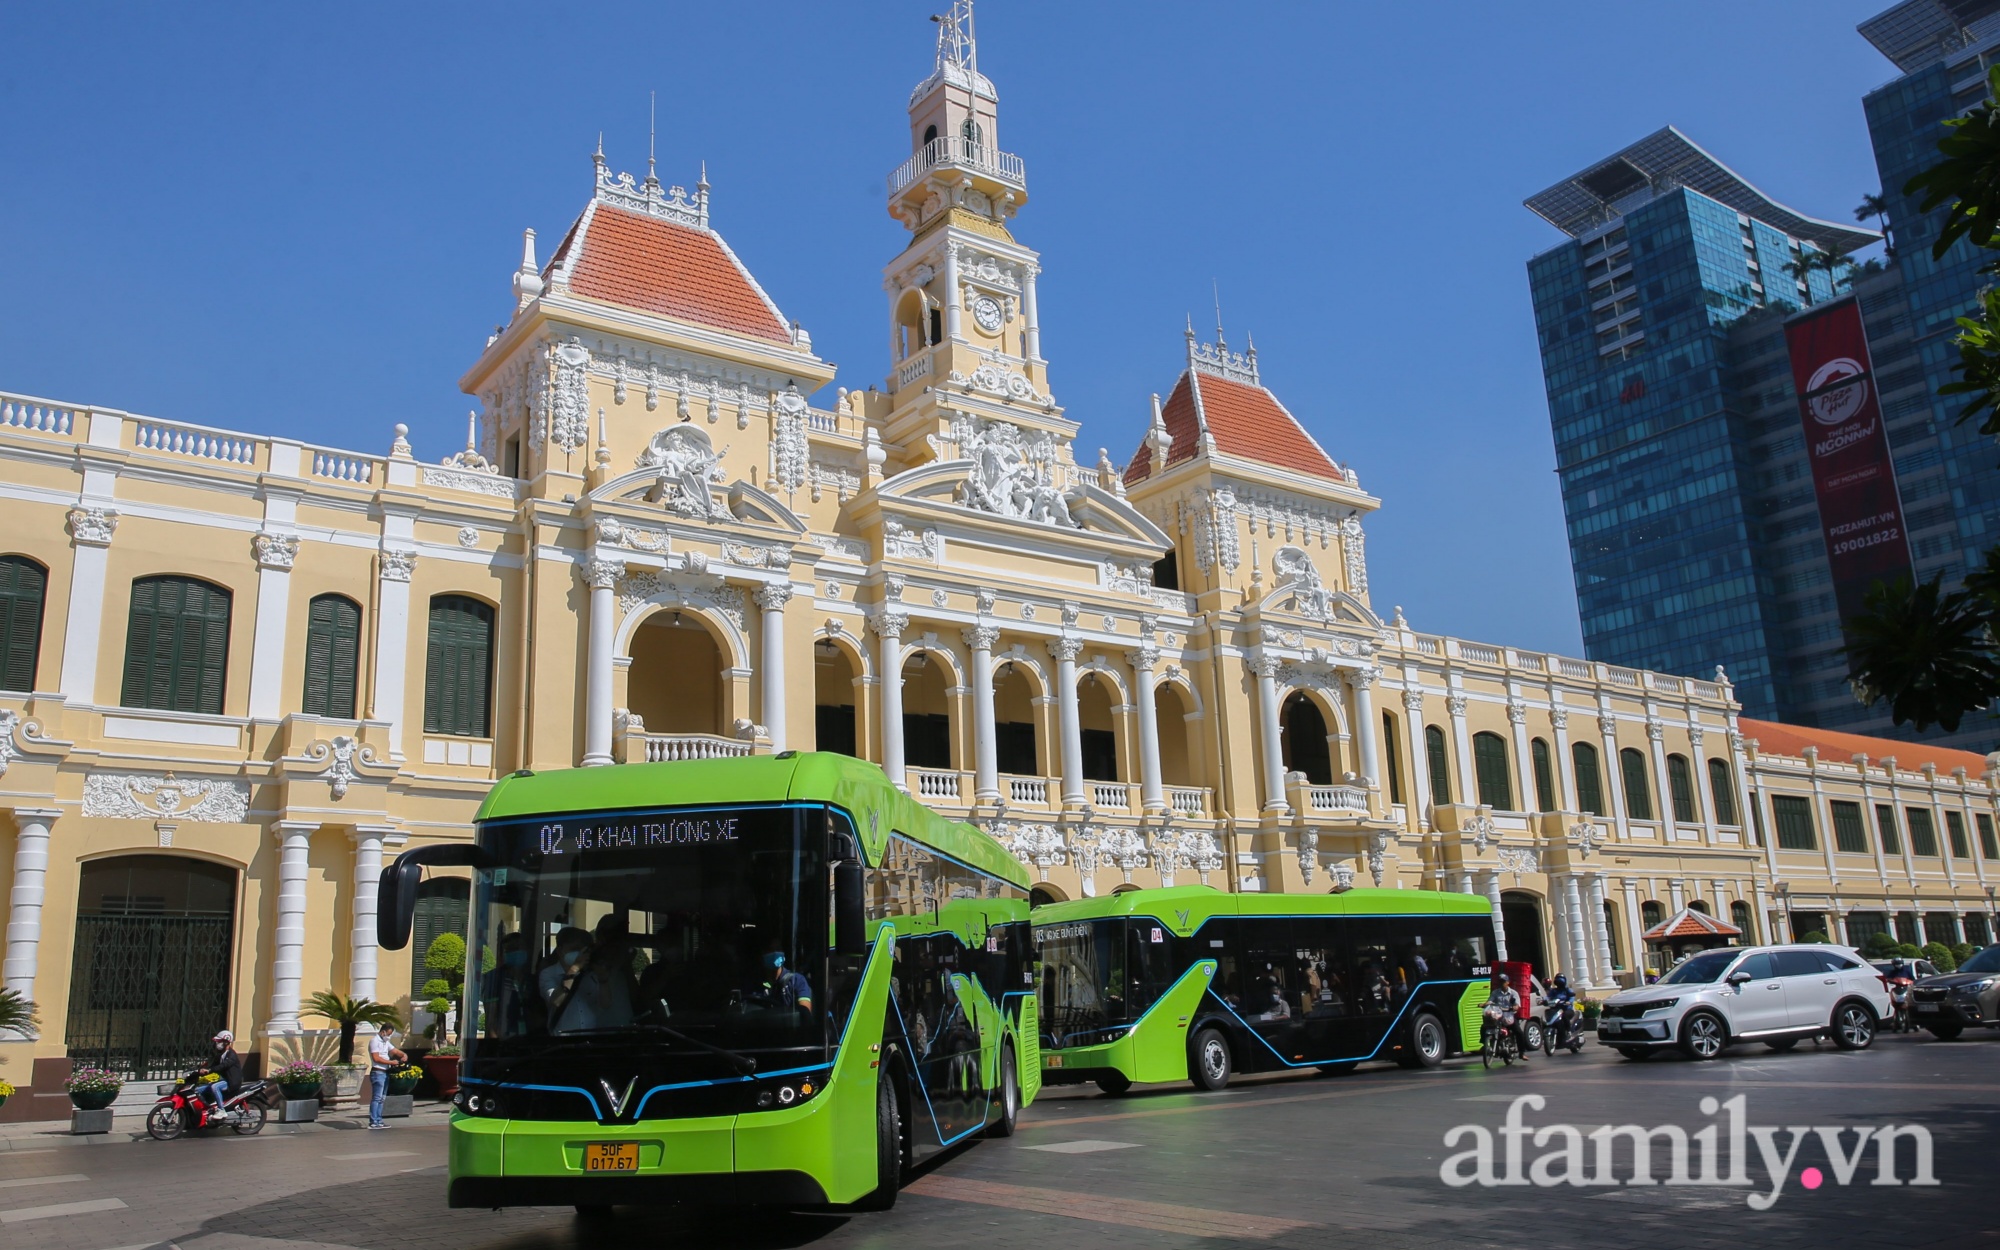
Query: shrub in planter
[[93, 1089], [6, 1092], [1940, 954], [441, 1065], [299, 1080], [404, 1079]]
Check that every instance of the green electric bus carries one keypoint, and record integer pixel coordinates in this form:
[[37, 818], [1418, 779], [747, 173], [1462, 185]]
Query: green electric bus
[[770, 979], [1193, 983]]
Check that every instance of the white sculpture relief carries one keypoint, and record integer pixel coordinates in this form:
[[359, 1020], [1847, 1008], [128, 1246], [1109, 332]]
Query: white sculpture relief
[[687, 462], [1309, 594], [994, 377], [626, 721], [341, 755], [569, 424], [1584, 836], [486, 483], [1308, 853], [899, 541], [138, 796], [1129, 579], [1378, 847], [842, 548], [9, 721], [1357, 557], [789, 450], [1481, 830], [1126, 848], [1085, 849], [939, 597], [1518, 859], [638, 588], [398, 566], [1041, 847], [1175, 848], [275, 551], [756, 555], [1343, 876], [1216, 539], [468, 537], [93, 526], [1013, 470]]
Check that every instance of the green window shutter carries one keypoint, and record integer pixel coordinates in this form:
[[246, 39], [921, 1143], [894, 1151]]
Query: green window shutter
[[1885, 829], [333, 651], [1681, 779], [1923, 832], [1849, 835], [1793, 816], [1545, 775], [1954, 827], [1638, 794], [458, 667], [1439, 761], [1989, 846], [1489, 765], [177, 645], [23, 589], [1589, 782], [1395, 758], [1722, 792]]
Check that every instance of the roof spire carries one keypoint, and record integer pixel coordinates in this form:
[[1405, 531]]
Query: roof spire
[[528, 278], [652, 137], [1215, 287]]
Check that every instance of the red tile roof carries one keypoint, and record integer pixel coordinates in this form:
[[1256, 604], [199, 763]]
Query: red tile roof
[[1247, 421], [638, 261], [1840, 747], [1690, 923]]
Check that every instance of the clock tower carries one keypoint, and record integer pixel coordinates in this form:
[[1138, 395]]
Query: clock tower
[[963, 332]]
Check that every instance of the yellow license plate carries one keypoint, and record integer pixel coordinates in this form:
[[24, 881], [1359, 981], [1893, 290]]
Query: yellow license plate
[[1055, 1061], [611, 1156]]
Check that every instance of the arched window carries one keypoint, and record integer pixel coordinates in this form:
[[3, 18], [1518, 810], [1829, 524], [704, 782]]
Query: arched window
[[1721, 792], [176, 645], [1739, 915], [1589, 781], [1439, 762], [458, 668], [1680, 778], [1393, 762], [23, 585], [1489, 765], [1651, 913], [930, 135], [333, 656], [442, 903], [1611, 934], [1638, 795], [1700, 905], [1545, 776], [1305, 746], [971, 132]]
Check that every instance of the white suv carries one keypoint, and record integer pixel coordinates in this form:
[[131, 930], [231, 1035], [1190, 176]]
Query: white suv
[[1776, 995]]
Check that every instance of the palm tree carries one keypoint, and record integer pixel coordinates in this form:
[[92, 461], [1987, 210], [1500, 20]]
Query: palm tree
[[1875, 206], [1802, 266], [18, 1014], [1928, 652], [350, 1014]]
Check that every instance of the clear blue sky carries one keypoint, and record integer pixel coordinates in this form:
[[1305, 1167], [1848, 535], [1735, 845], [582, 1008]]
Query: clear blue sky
[[302, 219]]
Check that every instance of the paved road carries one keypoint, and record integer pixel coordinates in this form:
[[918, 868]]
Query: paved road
[[1282, 1161]]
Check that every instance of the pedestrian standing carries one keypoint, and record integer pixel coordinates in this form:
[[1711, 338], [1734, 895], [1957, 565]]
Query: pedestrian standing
[[382, 1058]]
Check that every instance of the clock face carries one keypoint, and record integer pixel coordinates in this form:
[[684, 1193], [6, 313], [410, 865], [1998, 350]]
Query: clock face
[[986, 311]]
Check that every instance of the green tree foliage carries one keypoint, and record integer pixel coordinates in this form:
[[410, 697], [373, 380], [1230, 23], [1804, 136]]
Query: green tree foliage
[[349, 1014], [1909, 950], [446, 957], [1940, 954], [18, 1014], [1880, 946]]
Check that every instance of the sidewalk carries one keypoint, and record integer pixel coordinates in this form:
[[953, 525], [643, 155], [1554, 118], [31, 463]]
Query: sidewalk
[[42, 1134]]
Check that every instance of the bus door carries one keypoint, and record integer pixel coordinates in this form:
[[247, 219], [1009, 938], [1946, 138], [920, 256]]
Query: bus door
[[1328, 996], [939, 1009], [1270, 983]]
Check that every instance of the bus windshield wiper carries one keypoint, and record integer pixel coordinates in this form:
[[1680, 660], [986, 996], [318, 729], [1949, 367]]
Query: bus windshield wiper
[[742, 1063]]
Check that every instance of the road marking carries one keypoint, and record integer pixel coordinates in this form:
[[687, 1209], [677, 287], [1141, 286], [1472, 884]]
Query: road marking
[[15, 1154], [26, 1181], [1159, 1217], [1354, 1091], [375, 1154], [1489, 1098], [1085, 1147], [25, 1214]]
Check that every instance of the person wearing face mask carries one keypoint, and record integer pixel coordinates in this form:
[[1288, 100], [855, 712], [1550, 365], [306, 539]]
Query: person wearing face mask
[[508, 989], [557, 978]]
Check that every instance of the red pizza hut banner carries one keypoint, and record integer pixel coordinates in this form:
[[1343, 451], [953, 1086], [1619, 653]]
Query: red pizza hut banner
[[1860, 510]]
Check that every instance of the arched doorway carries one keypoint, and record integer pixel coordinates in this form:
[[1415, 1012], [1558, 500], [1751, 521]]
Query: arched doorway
[[1177, 760], [1521, 914], [1305, 735], [926, 712], [1014, 744], [836, 726], [675, 682], [149, 977], [1044, 894], [1097, 728]]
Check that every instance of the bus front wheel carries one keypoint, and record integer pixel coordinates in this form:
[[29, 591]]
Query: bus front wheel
[[1209, 1066], [1010, 1094], [1114, 1083], [888, 1147]]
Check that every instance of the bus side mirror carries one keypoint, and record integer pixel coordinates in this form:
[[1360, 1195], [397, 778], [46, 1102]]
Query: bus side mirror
[[850, 916], [396, 903]]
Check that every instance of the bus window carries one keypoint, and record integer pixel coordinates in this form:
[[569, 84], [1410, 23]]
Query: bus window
[[1149, 963], [1083, 980], [1270, 971], [1376, 992]]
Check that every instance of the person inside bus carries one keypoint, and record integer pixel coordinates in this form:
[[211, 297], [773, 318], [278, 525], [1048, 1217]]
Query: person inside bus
[[1267, 997], [558, 979], [508, 990], [781, 989]]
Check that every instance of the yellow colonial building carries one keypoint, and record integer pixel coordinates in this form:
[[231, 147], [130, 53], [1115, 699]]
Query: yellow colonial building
[[239, 671]]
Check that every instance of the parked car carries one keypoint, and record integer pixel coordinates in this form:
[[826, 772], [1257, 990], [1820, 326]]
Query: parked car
[[1777, 995], [1949, 1003]]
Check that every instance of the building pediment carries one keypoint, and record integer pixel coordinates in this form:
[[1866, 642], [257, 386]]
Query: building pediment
[[981, 497]]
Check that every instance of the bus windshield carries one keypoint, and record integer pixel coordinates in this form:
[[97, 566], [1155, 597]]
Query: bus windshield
[[687, 929], [1099, 974]]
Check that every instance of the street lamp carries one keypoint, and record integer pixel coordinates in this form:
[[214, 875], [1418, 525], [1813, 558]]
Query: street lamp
[[1783, 889]]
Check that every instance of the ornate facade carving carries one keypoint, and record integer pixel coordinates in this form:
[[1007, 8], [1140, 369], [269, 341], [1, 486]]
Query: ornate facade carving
[[687, 463], [93, 527], [773, 596], [790, 452], [1352, 551], [340, 755], [1310, 596], [980, 637], [487, 482], [1014, 471], [899, 542], [602, 574], [1042, 847], [638, 588], [569, 403], [1215, 532], [275, 551], [142, 796], [1559, 717], [398, 566], [756, 555]]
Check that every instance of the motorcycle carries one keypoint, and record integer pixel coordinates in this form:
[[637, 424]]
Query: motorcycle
[[1562, 1028], [1496, 1038], [187, 1107], [1899, 1002]]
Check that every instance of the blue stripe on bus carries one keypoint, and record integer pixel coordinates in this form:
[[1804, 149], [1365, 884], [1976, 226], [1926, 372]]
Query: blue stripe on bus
[[1310, 1063]]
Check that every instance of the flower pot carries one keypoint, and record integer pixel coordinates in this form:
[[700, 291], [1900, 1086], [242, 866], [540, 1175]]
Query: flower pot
[[443, 1069], [93, 1099], [401, 1087], [300, 1091], [3, 1100], [341, 1083]]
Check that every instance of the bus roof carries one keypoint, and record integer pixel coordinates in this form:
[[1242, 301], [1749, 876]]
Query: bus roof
[[856, 786], [1186, 908]]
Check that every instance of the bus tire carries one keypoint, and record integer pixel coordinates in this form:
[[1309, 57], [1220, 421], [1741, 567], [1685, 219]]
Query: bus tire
[[1426, 1045], [1114, 1083], [888, 1147], [1010, 1094], [1209, 1064]]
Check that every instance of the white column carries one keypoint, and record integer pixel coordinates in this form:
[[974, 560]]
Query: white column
[[1465, 787], [951, 292], [1524, 763], [1704, 801], [1663, 796], [1600, 929], [392, 644], [1560, 921], [985, 760], [771, 601], [1069, 723], [1152, 794], [1635, 925], [1565, 765], [1366, 730], [361, 950], [1499, 916], [1611, 771], [1420, 758], [1272, 747], [24, 901], [889, 627], [90, 533], [1579, 931], [602, 578], [275, 553], [1029, 315], [289, 943]]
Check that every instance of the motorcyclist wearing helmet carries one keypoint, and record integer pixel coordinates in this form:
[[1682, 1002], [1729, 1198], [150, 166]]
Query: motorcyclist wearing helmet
[[1560, 1000], [1506, 1004], [227, 1065]]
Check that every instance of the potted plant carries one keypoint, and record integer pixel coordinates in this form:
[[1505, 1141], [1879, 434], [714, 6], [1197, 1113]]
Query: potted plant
[[299, 1080], [446, 962], [441, 1065], [1592, 1010], [345, 1076], [404, 1079], [6, 1092], [93, 1089]]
